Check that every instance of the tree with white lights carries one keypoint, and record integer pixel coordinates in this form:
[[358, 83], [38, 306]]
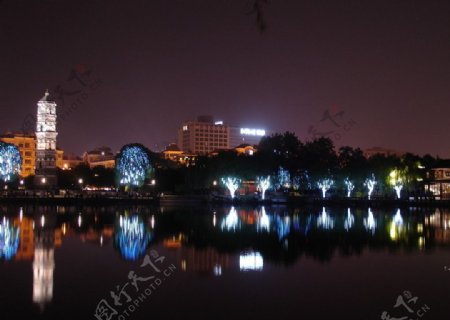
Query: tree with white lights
[[263, 184], [10, 161], [370, 184], [350, 186], [282, 179], [325, 185], [133, 166], [232, 185]]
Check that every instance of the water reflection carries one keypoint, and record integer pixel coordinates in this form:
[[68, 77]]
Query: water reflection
[[9, 239], [251, 261], [369, 223], [132, 237]]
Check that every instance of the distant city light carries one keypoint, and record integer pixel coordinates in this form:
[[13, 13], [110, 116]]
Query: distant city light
[[253, 132], [219, 123]]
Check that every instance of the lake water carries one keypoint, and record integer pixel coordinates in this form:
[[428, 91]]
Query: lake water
[[224, 263]]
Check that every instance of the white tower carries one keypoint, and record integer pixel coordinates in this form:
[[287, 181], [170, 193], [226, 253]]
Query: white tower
[[46, 143]]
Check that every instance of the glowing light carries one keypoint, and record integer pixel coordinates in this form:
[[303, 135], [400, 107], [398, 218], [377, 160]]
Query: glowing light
[[232, 185], [370, 184], [80, 181], [215, 183], [79, 221], [349, 221], [251, 261], [263, 184], [132, 238], [214, 219], [20, 214], [325, 185], [42, 221], [10, 161], [133, 166], [369, 222], [350, 186], [253, 132], [43, 180], [217, 270], [231, 220], [396, 180], [9, 240], [324, 220]]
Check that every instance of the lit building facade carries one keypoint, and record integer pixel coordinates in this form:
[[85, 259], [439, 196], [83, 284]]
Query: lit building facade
[[205, 136], [46, 143], [27, 147], [439, 182]]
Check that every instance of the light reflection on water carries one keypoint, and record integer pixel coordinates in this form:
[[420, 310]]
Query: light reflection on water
[[213, 241]]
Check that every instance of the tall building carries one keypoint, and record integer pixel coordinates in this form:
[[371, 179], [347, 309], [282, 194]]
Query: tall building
[[27, 147], [205, 136], [46, 143]]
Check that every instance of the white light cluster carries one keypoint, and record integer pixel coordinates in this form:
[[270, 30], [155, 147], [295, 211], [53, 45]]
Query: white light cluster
[[325, 185], [232, 185]]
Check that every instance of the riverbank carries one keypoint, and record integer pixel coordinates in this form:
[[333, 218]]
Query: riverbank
[[196, 200]]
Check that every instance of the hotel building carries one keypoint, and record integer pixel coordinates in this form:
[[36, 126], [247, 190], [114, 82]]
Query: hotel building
[[205, 135]]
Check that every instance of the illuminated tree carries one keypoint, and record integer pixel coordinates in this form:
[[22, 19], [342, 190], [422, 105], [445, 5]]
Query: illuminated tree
[[325, 185], [131, 237], [263, 184], [133, 166], [370, 184], [282, 179], [350, 186], [232, 185], [396, 180], [10, 161]]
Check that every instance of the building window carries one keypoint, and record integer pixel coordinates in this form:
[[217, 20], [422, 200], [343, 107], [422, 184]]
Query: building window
[[27, 145]]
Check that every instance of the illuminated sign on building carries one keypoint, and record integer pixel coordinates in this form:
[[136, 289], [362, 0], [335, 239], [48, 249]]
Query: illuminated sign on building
[[253, 132]]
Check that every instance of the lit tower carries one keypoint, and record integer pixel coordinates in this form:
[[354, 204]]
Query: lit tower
[[46, 143]]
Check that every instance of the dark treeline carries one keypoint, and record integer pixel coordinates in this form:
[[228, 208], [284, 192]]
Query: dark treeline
[[293, 166]]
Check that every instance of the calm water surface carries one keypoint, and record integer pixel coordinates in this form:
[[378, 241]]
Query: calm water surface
[[224, 263]]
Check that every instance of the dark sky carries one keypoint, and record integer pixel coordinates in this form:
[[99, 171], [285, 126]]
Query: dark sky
[[380, 67]]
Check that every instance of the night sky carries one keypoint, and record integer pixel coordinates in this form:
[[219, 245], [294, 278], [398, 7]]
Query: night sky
[[365, 73]]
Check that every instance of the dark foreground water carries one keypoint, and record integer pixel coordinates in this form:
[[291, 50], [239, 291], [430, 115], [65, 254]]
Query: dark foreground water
[[224, 263]]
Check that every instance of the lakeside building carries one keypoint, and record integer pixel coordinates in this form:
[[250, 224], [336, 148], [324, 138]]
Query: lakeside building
[[172, 152], [102, 156], [439, 182], [205, 135], [70, 161], [27, 147]]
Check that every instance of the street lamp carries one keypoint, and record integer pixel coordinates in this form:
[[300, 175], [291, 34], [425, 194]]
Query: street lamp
[[153, 182], [43, 180]]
